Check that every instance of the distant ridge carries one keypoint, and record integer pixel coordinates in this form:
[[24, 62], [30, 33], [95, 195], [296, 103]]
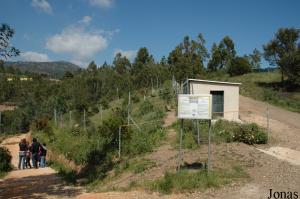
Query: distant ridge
[[53, 69]]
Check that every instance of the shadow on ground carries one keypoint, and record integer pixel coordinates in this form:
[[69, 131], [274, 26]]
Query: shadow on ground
[[36, 187]]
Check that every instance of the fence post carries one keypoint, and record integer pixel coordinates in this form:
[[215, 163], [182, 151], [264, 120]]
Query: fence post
[[61, 120], [151, 86], [101, 116], [198, 133], [118, 93], [84, 121], [120, 141], [180, 145], [70, 118], [209, 148], [55, 119], [268, 121], [128, 111]]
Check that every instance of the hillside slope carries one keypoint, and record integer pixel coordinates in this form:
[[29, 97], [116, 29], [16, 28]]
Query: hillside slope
[[53, 69]]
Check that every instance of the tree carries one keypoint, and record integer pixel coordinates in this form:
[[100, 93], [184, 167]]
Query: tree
[[291, 63], [284, 46], [226, 48], [68, 75], [239, 66], [2, 69], [92, 67], [255, 59], [215, 62], [140, 66], [222, 54], [187, 59], [121, 64], [6, 50]]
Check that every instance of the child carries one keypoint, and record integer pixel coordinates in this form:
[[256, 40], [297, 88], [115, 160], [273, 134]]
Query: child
[[28, 156]]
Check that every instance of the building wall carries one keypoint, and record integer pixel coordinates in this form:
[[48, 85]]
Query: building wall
[[231, 96]]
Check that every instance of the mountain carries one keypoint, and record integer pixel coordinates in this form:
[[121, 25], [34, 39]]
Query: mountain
[[53, 69]]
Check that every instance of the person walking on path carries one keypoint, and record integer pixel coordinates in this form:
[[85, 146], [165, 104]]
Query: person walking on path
[[43, 155], [35, 147], [28, 157], [22, 154]]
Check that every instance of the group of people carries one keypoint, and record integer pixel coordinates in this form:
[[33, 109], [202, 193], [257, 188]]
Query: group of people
[[36, 152]]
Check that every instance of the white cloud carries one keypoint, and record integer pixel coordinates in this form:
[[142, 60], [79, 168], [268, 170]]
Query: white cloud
[[82, 45], [86, 20], [34, 56], [101, 3], [130, 54], [42, 5]]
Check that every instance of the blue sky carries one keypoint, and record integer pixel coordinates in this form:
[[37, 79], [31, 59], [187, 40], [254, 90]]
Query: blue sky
[[83, 30]]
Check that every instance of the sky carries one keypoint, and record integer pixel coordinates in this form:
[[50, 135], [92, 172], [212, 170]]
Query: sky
[[80, 31]]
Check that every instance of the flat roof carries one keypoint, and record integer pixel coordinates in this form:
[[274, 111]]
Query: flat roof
[[213, 82]]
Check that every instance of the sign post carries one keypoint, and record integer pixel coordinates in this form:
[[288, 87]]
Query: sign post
[[195, 106]]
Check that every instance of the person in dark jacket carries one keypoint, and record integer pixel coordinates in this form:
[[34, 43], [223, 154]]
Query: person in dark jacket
[[35, 147], [22, 154], [43, 154], [28, 156]]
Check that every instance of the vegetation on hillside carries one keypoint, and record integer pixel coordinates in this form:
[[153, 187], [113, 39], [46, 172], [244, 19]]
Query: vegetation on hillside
[[5, 161]]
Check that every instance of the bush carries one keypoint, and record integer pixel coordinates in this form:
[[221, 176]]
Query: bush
[[146, 107], [250, 134], [5, 159], [135, 99], [239, 66]]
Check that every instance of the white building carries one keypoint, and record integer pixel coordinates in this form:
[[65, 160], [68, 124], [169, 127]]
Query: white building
[[225, 96]]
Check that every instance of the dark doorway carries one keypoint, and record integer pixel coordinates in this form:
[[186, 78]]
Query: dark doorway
[[217, 103]]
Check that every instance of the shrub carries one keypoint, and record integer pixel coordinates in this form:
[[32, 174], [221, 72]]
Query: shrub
[[146, 107], [5, 159], [135, 99], [239, 66], [250, 134], [104, 103]]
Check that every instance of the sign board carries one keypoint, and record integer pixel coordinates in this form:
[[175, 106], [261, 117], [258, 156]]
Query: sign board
[[194, 106]]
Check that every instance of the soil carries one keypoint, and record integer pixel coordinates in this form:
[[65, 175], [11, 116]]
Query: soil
[[6, 107], [272, 166]]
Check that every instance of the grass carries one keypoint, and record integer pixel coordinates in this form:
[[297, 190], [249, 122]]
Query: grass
[[3, 174], [266, 86], [185, 180]]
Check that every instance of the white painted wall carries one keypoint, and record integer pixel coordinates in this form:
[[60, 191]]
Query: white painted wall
[[231, 96]]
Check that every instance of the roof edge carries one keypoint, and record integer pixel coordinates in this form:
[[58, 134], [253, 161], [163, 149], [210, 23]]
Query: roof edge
[[215, 82]]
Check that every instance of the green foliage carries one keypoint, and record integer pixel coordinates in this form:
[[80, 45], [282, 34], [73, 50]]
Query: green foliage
[[146, 107], [255, 59], [6, 50], [222, 54], [222, 131], [184, 180], [15, 121], [166, 93], [239, 66], [235, 132], [187, 59], [266, 86], [283, 51], [250, 134], [5, 160]]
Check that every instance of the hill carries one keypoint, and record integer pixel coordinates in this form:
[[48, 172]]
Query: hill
[[53, 69]]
